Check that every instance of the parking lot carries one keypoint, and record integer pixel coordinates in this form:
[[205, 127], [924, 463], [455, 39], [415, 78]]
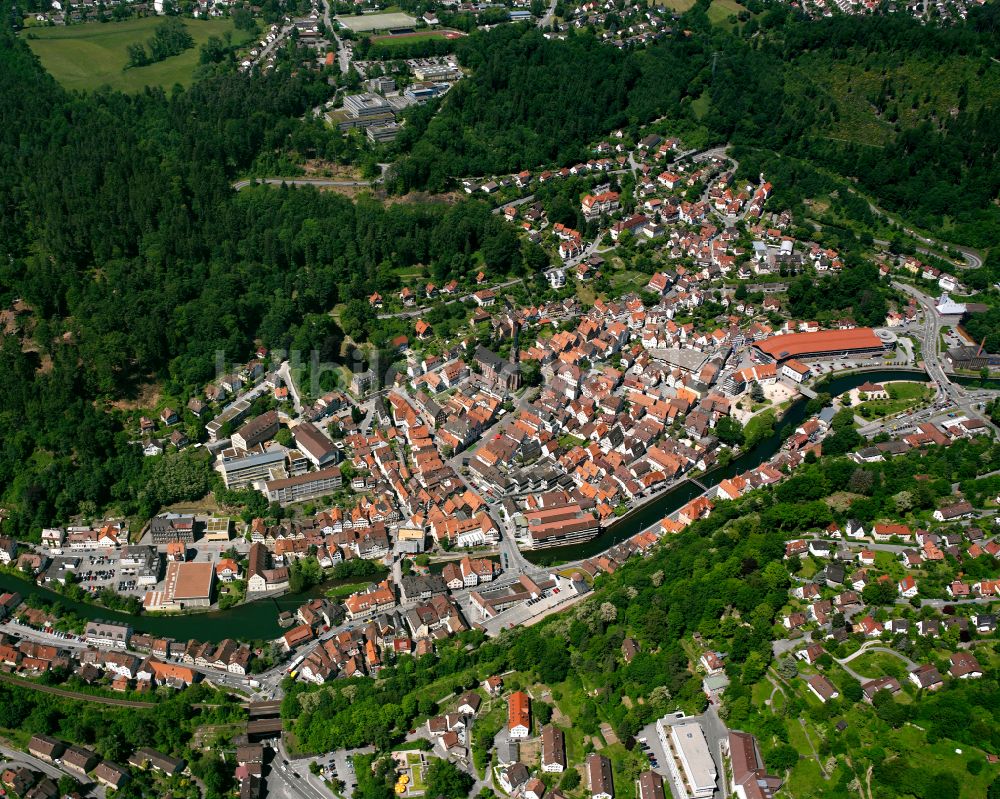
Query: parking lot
[[101, 569]]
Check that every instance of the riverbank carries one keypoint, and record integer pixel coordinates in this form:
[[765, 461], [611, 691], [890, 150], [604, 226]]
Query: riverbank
[[258, 620], [649, 515]]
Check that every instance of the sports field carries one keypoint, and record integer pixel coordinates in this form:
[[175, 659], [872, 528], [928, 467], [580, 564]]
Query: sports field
[[363, 23], [418, 36], [94, 54]]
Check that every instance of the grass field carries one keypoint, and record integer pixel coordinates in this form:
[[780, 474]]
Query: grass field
[[720, 10], [89, 56], [680, 6], [879, 664], [901, 396], [423, 36], [377, 22]]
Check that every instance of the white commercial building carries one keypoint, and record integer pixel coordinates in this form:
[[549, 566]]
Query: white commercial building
[[689, 759]]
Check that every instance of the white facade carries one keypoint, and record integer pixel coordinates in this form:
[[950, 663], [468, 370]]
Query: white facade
[[689, 760]]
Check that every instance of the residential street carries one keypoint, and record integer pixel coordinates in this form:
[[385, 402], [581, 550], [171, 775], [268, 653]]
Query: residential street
[[871, 646]]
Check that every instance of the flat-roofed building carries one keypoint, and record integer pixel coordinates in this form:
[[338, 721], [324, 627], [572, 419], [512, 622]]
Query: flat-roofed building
[[233, 413], [410, 540], [304, 486], [218, 528], [366, 104], [241, 468], [189, 585], [560, 525], [107, 635], [383, 132], [689, 759], [172, 527]]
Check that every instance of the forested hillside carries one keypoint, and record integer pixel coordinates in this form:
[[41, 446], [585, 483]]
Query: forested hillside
[[912, 112], [531, 101], [138, 262]]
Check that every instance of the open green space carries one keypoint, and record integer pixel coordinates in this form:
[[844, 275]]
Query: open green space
[[89, 56], [680, 6], [901, 396], [720, 10], [363, 23], [408, 38], [879, 664]]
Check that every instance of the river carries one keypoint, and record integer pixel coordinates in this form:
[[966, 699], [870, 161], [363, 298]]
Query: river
[[247, 622], [259, 619], [649, 514]]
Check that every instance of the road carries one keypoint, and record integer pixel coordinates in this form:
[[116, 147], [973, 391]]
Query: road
[[222, 679], [414, 312], [16, 758], [286, 376], [300, 181], [931, 336], [871, 646], [271, 46], [549, 15], [973, 260], [343, 60], [514, 203]]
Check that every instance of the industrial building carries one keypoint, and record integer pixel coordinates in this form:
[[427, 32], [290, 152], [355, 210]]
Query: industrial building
[[822, 344]]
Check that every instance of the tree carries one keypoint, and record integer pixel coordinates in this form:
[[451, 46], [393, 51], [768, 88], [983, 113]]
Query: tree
[[852, 691], [531, 373], [757, 392], [137, 55], [445, 779], [879, 592], [788, 668], [782, 758], [571, 780], [729, 431]]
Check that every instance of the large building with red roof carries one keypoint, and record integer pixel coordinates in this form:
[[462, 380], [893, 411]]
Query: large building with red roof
[[822, 344]]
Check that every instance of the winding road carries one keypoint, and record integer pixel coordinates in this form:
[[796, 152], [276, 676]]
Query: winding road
[[973, 260]]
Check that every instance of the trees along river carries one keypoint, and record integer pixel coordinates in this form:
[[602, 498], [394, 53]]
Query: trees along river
[[259, 619]]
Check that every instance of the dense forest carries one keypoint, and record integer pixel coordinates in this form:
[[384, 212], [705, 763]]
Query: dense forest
[[532, 101], [138, 261]]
